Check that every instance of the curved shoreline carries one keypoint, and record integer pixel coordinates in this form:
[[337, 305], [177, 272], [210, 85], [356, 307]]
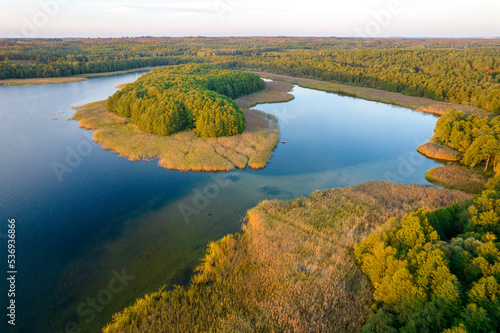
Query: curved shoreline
[[185, 151], [420, 104], [69, 79]]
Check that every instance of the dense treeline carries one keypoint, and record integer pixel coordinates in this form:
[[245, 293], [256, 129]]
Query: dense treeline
[[458, 71], [185, 97], [477, 137], [437, 271]]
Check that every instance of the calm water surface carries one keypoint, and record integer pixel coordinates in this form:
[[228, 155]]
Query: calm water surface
[[84, 215]]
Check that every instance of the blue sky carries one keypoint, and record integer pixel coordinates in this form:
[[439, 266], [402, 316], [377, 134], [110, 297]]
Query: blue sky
[[372, 18]]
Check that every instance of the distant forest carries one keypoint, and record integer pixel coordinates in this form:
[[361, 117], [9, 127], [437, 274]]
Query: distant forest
[[457, 71]]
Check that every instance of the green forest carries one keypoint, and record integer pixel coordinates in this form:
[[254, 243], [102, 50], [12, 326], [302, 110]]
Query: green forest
[[186, 97], [437, 271], [457, 71], [477, 137]]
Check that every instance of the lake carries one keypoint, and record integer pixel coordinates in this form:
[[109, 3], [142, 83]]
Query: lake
[[95, 231]]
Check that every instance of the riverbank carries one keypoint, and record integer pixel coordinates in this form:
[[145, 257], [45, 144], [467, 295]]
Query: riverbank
[[185, 151], [42, 81], [416, 103], [68, 79], [292, 269]]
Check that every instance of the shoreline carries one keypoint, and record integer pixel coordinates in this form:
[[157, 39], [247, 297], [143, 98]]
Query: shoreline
[[420, 104], [69, 79], [302, 249], [185, 151]]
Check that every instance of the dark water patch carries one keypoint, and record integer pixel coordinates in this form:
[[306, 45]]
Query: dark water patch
[[270, 190]]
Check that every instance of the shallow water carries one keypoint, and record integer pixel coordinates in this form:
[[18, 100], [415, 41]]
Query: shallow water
[[85, 215]]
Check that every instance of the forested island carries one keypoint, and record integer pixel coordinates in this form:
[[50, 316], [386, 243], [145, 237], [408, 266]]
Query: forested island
[[376, 257], [185, 116], [189, 97]]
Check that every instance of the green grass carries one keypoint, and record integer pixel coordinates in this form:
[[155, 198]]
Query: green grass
[[185, 151], [440, 152], [292, 269], [458, 177]]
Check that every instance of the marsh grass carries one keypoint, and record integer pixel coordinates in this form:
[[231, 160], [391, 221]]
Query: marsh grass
[[458, 177], [440, 152], [292, 269], [186, 151]]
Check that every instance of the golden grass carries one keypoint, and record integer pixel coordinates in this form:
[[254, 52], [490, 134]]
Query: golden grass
[[416, 103], [292, 270], [440, 152], [458, 177], [41, 81], [185, 151]]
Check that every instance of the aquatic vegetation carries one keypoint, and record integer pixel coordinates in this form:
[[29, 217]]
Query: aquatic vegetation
[[291, 270]]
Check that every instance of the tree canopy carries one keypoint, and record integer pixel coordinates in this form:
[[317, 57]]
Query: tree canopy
[[185, 97], [457, 71], [477, 137], [437, 271]]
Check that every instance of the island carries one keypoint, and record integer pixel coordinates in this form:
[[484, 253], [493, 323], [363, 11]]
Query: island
[[190, 117]]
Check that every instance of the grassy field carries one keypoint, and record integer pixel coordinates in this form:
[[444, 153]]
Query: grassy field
[[292, 269], [415, 103], [458, 177], [440, 152], [185, 151]]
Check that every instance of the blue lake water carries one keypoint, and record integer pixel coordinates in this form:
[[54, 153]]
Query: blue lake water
[[85, 215]]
